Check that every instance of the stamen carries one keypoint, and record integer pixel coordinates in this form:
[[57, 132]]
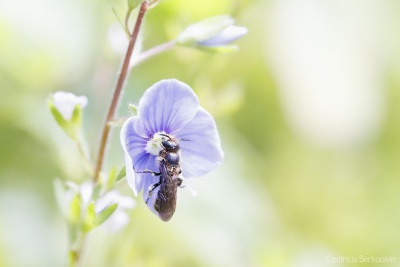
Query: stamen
[[154, 145]]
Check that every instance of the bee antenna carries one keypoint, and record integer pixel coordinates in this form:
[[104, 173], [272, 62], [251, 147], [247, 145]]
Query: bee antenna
[[182, 139], [166, 136]]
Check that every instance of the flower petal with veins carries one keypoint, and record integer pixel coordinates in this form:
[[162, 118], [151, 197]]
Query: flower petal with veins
[[168, 107]]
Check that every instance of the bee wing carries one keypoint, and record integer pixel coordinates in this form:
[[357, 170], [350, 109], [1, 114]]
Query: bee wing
[[166, 199], [163, 169]]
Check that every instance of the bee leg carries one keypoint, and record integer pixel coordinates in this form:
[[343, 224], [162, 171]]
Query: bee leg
[[180, 181], [154, 186], [148, 171]]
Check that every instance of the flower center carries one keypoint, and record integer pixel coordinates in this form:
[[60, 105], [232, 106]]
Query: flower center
[[154, 145]]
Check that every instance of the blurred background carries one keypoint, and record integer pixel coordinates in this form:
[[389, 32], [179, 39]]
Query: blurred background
[[308, 112]]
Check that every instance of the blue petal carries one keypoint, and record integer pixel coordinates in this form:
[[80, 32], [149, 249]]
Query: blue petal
[[146, 180], [166, 106], [228, 35], [150, 200], [202, 151], [136, 157]]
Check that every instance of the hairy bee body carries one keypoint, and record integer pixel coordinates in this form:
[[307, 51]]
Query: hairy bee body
[[169, 171]]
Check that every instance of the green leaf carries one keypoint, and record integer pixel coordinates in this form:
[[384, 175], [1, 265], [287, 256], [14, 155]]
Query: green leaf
[[204, 30], [120, 22], [111, 178], [73, 257], [89, 221], [121, 174], [105, 214], [75, 210], [113, 173], [76, 118], [67, 126], [134, 3], [96, 191]]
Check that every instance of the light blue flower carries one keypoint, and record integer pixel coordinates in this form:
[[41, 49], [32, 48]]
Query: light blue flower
[[225, 37], [169, 107], [212, 34]]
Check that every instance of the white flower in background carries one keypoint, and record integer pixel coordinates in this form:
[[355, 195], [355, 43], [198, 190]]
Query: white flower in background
[[66, 109], [66, 103], [75, 202], [119, 219]]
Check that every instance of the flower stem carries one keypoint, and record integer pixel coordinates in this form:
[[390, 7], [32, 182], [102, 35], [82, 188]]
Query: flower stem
[[128, 15], [75, 253], [81, 144], [152, 3], [153, 52], [118, 89]]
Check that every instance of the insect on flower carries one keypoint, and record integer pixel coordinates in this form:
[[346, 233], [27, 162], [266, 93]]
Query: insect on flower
[[156, 161], [170, 169]]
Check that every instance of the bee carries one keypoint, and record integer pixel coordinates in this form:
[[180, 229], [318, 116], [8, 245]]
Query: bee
[[169, 171]]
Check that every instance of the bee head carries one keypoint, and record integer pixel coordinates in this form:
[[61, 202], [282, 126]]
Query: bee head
[[169, 144]]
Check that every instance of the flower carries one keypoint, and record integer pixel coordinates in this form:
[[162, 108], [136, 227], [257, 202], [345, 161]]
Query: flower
[[169, 107], [75, 202], [66, 102], [213, 34], [226, 36], [119, 219], [66, 109]]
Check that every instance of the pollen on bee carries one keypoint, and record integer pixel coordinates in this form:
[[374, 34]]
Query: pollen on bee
[[154, 145]]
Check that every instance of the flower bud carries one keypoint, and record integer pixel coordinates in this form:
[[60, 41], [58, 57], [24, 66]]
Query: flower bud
[[132, 109], [67, 111], [212, 34]]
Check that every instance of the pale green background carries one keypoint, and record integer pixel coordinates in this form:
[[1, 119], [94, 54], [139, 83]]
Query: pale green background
[[279, 199]]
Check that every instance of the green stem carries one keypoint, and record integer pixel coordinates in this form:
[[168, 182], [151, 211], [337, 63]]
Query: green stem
[[85, 155], [76, 250], [117, 92], [153, 52], [152, 3], [128, 15]]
